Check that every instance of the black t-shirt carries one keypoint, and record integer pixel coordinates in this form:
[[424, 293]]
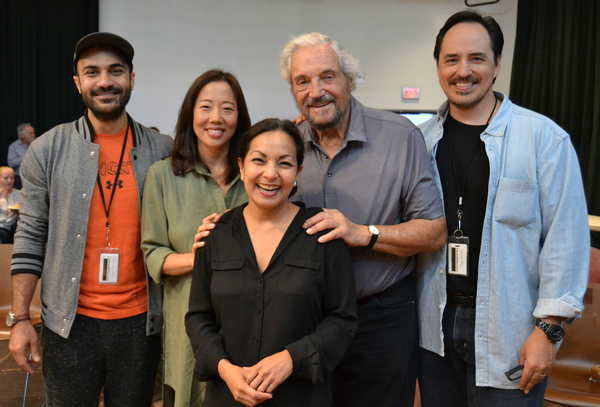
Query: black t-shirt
[[466, 144]]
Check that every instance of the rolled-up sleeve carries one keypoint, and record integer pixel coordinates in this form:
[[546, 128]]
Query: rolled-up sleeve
[[565, 253]]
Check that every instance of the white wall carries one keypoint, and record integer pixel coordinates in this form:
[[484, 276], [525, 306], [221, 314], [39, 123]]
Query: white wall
[[176, 41]]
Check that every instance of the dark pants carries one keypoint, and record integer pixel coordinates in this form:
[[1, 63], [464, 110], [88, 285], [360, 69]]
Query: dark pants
[[449, 381], [18, 184], [114, 355], [380, 366], [6, 236]]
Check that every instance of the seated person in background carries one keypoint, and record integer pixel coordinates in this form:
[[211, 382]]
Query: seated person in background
[[272, 310], [10, 199]]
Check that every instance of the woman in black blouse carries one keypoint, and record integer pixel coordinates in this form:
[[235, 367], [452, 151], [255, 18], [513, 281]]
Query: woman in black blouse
[[272, 310]]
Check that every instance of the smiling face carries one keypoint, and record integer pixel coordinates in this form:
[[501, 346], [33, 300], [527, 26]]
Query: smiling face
[[466, 67], [270, 169], [105, 83], [215, 117], [321, 89]]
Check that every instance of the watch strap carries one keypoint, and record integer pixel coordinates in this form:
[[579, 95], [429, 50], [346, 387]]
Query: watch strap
[[18, 318], [374, 237], [554, 333]]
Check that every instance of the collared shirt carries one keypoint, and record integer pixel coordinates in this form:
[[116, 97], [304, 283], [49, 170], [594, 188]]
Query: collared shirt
[[302, 302], [16, 152], [172, 210], [381, 175], [534, 257]]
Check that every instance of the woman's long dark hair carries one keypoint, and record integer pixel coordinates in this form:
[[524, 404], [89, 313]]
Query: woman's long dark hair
[[185, 149]]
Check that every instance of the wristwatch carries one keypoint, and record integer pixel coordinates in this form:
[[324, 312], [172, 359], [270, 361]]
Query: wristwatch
[[554, 333], [12, 319], [374, 235]]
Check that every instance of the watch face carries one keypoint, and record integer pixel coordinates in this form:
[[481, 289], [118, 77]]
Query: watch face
[[373, 230], [555, 333], [9, 319]]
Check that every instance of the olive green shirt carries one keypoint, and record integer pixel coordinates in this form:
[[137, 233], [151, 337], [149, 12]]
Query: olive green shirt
[[172, 209]]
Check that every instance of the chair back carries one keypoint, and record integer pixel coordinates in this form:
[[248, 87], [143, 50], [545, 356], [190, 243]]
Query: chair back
[[568, 382], [594, 276]]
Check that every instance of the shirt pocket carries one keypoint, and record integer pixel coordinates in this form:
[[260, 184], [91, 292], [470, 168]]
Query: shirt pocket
[[299, 278], [227, 277], [516, 201]]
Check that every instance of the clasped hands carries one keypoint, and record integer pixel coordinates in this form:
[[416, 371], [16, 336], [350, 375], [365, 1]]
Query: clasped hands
[[253, 385]]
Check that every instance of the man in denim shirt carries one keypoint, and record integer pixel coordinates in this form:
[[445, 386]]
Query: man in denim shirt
[[516, 262]]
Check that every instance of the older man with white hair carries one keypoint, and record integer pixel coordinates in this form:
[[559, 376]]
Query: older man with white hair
[[370, 170], [17, 150]]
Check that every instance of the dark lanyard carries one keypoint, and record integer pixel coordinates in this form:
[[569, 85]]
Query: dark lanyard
[[114, 187], [461, 188]]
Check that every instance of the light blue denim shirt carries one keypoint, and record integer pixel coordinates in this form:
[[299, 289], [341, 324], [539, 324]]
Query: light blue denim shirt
[[535, 245]]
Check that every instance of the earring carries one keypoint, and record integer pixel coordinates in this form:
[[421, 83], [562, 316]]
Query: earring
[[242, 178], [295, 183]]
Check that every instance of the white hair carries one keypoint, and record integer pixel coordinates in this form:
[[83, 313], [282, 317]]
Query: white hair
[[348, 63], [22, 129]]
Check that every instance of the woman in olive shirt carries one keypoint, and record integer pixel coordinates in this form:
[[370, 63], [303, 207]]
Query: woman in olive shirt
[[199, 178], [272, 310]]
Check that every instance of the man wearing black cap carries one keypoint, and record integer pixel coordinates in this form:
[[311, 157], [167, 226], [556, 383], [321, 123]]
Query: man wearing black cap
[[80, 231]]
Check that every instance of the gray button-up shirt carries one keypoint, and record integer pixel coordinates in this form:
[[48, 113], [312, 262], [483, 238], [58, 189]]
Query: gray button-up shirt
[[380, 176]]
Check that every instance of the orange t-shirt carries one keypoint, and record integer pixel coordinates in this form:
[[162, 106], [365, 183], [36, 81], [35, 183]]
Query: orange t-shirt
[[129, 296]]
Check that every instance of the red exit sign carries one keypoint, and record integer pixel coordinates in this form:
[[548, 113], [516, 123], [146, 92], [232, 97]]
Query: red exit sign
[[410, 93]]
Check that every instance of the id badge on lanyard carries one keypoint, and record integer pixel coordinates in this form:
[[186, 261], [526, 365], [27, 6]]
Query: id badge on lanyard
[[457, 245], [110, 257], [109, 265], [458, 256], [457, 249]]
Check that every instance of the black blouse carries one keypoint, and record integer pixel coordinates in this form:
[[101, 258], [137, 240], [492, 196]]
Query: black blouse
[[304, 301]]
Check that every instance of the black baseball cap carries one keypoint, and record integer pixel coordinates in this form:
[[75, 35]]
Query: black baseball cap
[[106, 39]]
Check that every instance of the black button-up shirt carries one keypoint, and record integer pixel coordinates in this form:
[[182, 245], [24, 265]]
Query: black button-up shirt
[[304, 302]]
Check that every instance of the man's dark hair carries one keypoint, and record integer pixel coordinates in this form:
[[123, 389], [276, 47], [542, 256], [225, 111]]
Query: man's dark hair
[[473, 17]]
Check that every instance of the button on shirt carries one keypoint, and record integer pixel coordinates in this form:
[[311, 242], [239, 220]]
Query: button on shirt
[[303, 302], [380, 176], [534, 256]]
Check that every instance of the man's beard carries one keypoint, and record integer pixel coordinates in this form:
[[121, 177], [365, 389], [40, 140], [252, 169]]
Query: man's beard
[[335, 119], [99, 110], [467, 101]]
